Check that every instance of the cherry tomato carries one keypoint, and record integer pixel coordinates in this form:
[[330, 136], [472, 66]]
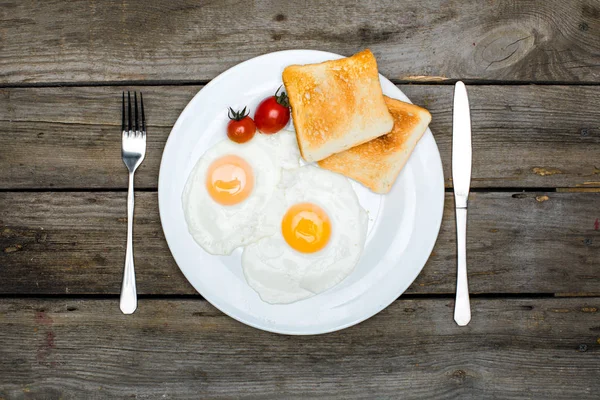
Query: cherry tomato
[[273, 113], [240, 128]]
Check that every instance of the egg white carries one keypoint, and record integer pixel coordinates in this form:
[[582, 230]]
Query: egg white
[[283, 275], [220, 229]]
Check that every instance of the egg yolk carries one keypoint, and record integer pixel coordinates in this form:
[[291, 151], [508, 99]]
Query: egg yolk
[[306, 227], [229, 180]]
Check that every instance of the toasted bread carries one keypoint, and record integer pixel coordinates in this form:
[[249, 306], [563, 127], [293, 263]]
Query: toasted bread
[[336, 104], [377, 163]]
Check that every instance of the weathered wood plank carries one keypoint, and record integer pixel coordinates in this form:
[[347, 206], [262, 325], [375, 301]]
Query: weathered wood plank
[[90, 41], [512, 349], [523, 136], [75, 243]]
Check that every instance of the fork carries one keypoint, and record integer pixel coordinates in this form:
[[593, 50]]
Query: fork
[[133, 151]]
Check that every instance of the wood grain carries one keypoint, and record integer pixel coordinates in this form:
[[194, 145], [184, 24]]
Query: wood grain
[[523, 136], [71, 241], [74, 243], [512, 349], [89, 41]]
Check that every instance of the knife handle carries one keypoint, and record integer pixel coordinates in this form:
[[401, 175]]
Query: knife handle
[[462, 306]]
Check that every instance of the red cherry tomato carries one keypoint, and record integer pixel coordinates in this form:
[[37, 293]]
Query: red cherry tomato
[[273, 113], [240, 128]]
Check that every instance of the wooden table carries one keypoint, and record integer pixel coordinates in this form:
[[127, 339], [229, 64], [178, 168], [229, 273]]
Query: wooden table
[[533, 75]]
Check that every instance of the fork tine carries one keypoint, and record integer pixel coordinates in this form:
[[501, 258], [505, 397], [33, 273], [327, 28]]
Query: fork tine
[[129, 126], [143, 118], [137, 120], [123, 114]]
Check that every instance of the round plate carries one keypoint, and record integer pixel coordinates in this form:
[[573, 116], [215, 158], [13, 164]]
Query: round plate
[[403, 224]]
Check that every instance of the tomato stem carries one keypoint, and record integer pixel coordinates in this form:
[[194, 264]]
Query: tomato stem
[[282, 99], [237, 115]]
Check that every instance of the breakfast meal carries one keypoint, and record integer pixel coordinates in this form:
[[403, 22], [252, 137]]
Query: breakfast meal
[[336, 104], [300, 223], [377, 163]]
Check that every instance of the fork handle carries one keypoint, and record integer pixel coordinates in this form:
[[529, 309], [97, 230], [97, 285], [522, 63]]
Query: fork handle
[[462, 306], [128, 301]]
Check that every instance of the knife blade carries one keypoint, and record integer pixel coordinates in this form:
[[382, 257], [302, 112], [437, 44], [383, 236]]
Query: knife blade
[[461, 178]]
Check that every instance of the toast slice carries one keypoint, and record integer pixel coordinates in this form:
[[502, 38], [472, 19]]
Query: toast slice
[[336, 104], [376, 164]]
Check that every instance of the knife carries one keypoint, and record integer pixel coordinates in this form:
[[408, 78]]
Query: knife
[[461, 177]]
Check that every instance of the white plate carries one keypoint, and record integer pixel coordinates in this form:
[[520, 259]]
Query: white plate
[[403, 225]]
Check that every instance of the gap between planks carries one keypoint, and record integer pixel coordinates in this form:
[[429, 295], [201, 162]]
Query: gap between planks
[[421, 80], [424, 296], [154, 189]]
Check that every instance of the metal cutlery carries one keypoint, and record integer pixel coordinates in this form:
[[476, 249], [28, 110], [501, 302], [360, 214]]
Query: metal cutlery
[[461, 177], [133, 151]]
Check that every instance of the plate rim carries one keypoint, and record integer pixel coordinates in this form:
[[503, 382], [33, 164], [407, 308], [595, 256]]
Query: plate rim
[[377, 309]]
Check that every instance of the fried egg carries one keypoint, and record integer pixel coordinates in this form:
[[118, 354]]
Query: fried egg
[[231, 197], [321, 235]]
